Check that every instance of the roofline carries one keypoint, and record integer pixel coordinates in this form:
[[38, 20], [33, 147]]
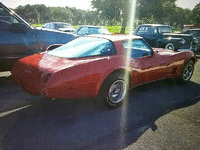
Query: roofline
[[115, 38], [155, 25], [194, 29], [89, 26]]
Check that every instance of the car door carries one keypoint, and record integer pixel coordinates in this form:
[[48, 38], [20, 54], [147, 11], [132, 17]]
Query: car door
[[146, 65], [17, 40]]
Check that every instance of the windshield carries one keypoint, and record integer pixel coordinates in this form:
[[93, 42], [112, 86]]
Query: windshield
[[84, 47], [95, 30], [63, 25], [165, 30]]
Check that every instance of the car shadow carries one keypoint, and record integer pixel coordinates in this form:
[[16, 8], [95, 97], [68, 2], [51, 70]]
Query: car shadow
[[82, 124]]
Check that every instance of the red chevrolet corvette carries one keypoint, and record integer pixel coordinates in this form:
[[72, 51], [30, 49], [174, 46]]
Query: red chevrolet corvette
[[100, 66]]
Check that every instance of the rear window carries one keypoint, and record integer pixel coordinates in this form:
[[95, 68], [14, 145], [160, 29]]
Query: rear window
[[84, 47], [147, 30], [165, 30]]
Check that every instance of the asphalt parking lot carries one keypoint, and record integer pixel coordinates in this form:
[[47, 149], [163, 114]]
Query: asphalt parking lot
[[159, 115]]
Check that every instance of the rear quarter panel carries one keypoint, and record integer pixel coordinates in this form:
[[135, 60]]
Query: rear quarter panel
[[83, 80]]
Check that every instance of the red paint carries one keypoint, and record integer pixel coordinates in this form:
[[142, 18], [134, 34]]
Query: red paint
[[83, 77]]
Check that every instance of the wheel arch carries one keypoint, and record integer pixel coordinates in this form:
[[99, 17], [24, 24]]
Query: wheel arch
[[121, 70], [192, 58]]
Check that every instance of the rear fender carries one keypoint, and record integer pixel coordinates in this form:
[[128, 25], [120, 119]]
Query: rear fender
[[163, 42]]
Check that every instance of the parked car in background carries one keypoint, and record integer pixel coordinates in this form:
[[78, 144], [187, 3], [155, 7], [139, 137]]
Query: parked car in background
[[61, 26], [100, 66], [196, 34], [18, 39], [187, 27], [87, 30], [162, 36]]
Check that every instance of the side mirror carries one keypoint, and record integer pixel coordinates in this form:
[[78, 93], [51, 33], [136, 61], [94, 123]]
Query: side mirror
[[18, 27]]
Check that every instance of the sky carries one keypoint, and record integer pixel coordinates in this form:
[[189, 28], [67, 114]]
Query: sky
[[80, 4]]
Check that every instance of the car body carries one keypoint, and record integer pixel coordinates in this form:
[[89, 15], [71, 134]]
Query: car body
[[187, 27], [18, 39], [87, 30], [196, 34], [100, 66], [162, 36], [60, 26]]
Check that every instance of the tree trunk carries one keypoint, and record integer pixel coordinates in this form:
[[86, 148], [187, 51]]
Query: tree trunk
[[124, 24]]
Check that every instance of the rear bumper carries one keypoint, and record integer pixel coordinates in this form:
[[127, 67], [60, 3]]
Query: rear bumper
[[27, 74], [28, 83]]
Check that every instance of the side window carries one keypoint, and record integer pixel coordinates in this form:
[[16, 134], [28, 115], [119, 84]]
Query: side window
[[6, 19], [151, 30], [165, 29], [108, 49], [51, 26], [83, 31], [138, 48], [143, 30], [155, 30]]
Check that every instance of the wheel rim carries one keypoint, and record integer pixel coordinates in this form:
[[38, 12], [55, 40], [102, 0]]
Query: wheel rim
[[117, 91], [187, 73], [169, 46]]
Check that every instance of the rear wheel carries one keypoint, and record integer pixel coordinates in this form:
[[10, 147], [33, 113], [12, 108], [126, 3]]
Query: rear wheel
[[170, 46], [114, 90], [186, 72]]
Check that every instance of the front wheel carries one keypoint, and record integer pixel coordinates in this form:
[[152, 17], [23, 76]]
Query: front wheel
[[114, 90], [186, 72]]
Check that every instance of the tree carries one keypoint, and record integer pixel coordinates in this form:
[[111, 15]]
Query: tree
[[44, 13], [196, 14], [29, 13], [113, 11]]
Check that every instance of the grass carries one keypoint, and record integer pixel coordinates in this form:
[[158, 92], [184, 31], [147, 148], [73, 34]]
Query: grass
[[111, 29]]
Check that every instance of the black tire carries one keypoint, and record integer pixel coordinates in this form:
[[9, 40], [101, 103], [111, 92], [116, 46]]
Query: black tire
[[170, 46], [114, 90], [186, 72]]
